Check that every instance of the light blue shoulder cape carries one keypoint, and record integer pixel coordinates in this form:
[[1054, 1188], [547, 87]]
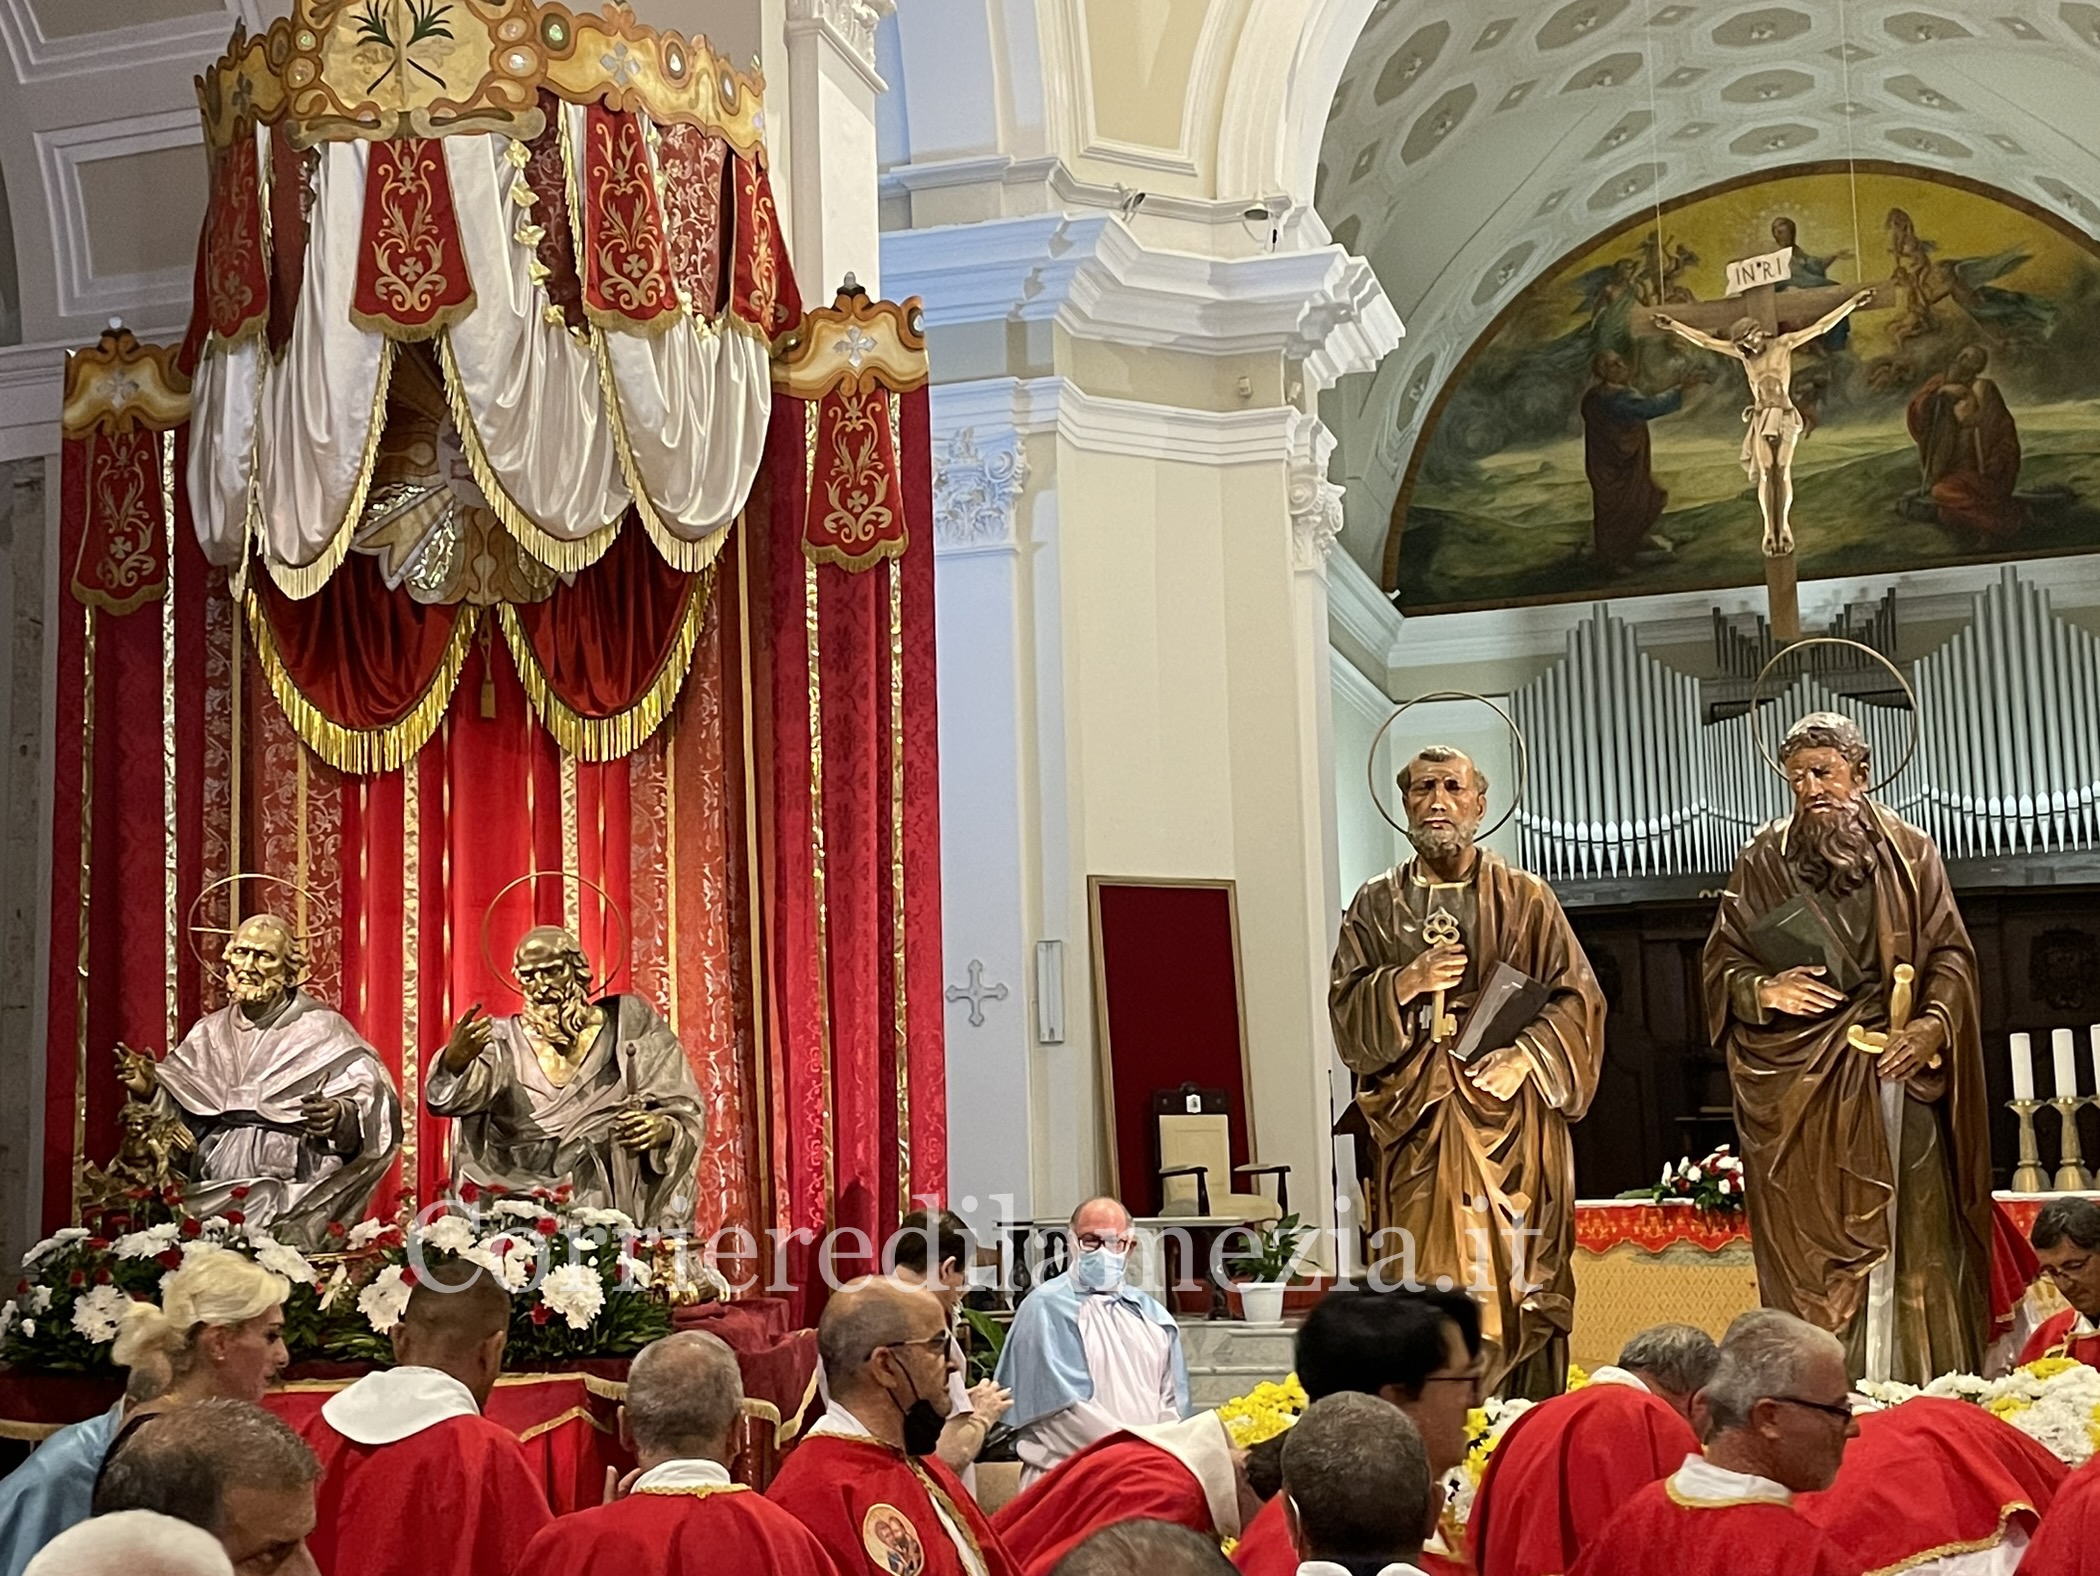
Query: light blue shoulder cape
[[1044, 1363], [51, 1490]]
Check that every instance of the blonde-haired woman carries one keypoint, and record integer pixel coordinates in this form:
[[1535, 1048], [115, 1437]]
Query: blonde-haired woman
[[218, 1332]]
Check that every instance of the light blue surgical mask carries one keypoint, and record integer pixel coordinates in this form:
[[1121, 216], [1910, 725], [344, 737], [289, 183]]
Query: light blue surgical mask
[[1100, 1270]]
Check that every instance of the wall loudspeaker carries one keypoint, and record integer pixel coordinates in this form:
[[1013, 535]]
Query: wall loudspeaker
[[1050, 992]]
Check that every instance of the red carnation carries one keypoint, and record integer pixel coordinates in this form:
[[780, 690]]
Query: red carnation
[[190, 1228], [564, 1193], [335, 1228], [77, 1278], [99, 1244], [138, 1192], [408, 1275], [540, 1315], [170, 1260], [21, 1285], [469, 1193], [234, 1217], [102, 1277], [171, 1194], [237, 1192], [547, 1225]]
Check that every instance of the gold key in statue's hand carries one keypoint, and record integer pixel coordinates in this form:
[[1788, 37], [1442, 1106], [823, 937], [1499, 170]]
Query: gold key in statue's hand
[[1441, 930]]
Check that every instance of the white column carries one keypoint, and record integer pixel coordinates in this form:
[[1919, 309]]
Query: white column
[[833, 222], [980, 469]]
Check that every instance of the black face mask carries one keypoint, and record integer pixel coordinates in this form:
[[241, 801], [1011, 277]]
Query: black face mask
[[922, 1423]]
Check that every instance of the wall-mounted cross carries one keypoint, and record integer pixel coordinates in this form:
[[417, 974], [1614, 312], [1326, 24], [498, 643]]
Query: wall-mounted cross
[[977, 993]]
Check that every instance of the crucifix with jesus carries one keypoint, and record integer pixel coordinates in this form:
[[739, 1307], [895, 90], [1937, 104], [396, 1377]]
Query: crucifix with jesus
[[1760, 327]]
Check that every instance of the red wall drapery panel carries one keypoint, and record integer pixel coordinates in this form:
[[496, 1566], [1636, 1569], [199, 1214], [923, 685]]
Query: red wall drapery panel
[[852, 884]]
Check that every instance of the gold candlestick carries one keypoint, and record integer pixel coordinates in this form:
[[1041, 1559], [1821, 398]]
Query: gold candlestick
[[2028, 1176], [2071, 1174]]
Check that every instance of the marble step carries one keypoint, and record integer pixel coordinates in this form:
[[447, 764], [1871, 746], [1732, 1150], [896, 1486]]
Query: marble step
[[1227, 1359]]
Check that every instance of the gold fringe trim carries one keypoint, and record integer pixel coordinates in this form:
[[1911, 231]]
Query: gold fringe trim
[[363, 751], [1949, 1550], [620, 735], [561, 554], [440, 320], [575, 1414], [688, 557], [300, 581]]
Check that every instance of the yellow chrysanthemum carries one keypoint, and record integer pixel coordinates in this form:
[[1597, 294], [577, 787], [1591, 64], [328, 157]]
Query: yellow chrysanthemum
[[1264, 1412], [2007, 1405], [1578, 1376], [2046, 1368]]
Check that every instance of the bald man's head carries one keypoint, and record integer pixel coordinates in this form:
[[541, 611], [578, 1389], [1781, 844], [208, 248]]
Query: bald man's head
[[884, 1346], [1158, 1548], [457, 1320], [684, 1394]]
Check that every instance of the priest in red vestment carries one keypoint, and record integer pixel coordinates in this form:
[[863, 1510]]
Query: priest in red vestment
[[1185, 1472], [1933, 1478], [2066, 1238], [1779, 1416], [1566, 1465], [2068, 1541], [1418, 1350], [682, 1516], [866, 1479], [409, 1443], [1357, 1494]]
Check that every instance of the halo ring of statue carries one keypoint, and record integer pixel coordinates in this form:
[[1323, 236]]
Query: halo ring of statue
[[1516, 736], [488, 914], [1757, 720], [197, 902]]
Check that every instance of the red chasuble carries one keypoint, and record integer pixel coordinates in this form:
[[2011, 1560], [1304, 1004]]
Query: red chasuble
[[873, 1509], [1561, 1470], [1655, 1534], [2056, 1338], [455, 1499], [1119, 1478], [698, 1531], [2068, 1543], [1930, 1478], [1265, 1549]]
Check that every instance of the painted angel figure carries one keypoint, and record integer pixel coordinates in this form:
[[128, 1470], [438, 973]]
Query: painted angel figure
[[1773, 423]]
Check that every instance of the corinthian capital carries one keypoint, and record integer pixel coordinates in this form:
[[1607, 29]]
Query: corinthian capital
[[850, 23]]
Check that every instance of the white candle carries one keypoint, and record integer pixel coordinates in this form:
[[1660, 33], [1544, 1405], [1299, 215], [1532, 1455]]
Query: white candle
[[2023, 1066], [2064, 1050]]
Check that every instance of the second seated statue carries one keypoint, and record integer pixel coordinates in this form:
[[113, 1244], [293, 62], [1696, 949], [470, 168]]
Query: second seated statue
[[1465, 1007], [595, 1094], [278, 1095]]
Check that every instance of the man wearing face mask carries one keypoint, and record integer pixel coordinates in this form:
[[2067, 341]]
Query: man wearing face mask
[[1088, 1355], [866, 1480]]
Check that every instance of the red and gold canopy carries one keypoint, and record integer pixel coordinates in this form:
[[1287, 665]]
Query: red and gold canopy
[[562, 220]]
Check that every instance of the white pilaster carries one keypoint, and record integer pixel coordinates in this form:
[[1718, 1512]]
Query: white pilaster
[[832, 88]]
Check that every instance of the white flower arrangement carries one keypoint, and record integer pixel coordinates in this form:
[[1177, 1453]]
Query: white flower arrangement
[[64, 1237], [575, 1292], [386, 1299], [99, 1311], [2055, 1402], [449, 1234], [282, 1259], [1714, 1183], [366, 1231], [147, 1244]]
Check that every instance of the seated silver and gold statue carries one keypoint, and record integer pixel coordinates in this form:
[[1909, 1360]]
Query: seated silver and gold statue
[[276, 1095], [595, 1094]]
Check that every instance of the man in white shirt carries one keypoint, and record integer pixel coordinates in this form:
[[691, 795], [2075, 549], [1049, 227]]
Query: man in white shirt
[[1356, 1488], [1089, 1354]]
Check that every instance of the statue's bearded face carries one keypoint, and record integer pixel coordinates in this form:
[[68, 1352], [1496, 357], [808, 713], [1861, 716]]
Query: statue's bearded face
[[1445, 801], [259, 961], [1830, 843], [555, 978]]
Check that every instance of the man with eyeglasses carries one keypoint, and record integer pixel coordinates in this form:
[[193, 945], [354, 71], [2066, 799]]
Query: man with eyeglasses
[[1420, 1350], [2066, 1238], [867, 1480], [1089, 1354], [1779, 1414]]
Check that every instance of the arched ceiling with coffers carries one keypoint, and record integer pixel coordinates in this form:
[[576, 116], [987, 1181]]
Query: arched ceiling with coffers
[[1471, 143]]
